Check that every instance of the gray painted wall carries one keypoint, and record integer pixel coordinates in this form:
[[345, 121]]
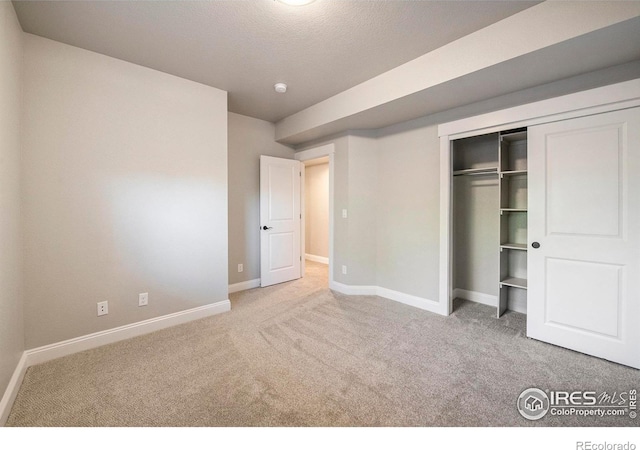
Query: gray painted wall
[[248, 139], [316, 192], [408, 238], [340, 201], [125, 191], [362, 210], [11, 314]]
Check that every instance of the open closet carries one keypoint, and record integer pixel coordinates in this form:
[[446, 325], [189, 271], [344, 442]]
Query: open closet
[[540, 214], [490, 219]]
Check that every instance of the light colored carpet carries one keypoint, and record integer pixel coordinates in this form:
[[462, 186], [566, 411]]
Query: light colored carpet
[[298, 354]]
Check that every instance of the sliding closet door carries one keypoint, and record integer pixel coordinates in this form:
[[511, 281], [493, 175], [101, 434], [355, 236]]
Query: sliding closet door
[[584, 235]]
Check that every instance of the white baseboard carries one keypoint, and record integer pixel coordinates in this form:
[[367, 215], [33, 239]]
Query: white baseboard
[[89, 341], [353, 290], [478, 297], [316, 258], [244, 285], [411, 300], [407, 299], [12, 389]]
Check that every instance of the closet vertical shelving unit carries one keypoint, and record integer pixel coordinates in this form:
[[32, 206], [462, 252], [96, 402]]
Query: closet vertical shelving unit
[[502, 154], [512, 174]]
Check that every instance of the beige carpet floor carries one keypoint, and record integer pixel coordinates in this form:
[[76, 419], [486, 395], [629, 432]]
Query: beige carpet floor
[[298, 354]]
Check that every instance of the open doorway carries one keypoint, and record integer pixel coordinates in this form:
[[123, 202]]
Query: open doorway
[[317, 207], [316, 216]]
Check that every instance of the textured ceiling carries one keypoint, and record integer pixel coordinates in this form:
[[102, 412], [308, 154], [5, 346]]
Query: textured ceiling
[[245, 46]]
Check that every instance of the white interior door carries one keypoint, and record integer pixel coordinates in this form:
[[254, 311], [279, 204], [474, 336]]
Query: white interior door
[[280, 216], [584, 212]]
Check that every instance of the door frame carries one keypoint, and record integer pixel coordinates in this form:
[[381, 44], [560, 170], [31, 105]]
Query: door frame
[[308, 155], [594, 101]]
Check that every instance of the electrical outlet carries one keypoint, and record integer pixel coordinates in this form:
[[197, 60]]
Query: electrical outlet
[[344, 270], [240, 267], [344, 213], [143, 299], [103, 308]]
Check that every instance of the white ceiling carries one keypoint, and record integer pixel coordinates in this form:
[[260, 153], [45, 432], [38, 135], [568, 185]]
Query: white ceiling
[[246, 46]]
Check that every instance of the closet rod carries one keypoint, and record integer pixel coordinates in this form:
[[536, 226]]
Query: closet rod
[[491, 171], [473, 174]]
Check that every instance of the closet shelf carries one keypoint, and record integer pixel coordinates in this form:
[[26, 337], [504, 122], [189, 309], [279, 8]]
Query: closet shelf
[[513, 246], [478, 171], [515, 282]]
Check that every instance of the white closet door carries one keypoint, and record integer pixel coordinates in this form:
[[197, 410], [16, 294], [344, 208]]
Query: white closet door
[[584, 212]]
